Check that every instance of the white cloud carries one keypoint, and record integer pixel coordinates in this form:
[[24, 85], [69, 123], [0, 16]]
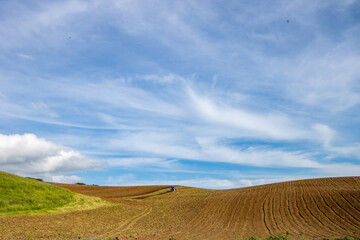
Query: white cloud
[[43, 108], [141, 162], [212, 151], [25, 56], [340, 170], [173, 145], [262, 181], [65, 179], [28, 155], [327, 135], [203, 183], [347, 151], [169, 78], [171, 25], [209, 183], [164, 144], [252, 124], [324, 133], [42, 22], [55, 12], [324, 76], [131, 180], [122, 95]]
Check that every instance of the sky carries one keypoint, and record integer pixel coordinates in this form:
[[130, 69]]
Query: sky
[[212, 94]]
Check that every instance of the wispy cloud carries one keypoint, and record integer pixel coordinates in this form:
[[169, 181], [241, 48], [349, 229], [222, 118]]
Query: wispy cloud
[[168, 78], [25, 56], [270, 125], [42, 107], [3, 96], [37, 22], [212, 183], [142, 162]]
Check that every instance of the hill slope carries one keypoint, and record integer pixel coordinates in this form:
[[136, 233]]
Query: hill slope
[[314, 208], [23, 194]]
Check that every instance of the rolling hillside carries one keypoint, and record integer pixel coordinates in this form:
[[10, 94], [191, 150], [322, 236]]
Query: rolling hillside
[[314, 208], [24, 194]]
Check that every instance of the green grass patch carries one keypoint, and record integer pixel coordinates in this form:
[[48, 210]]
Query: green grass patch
[[26, 194]]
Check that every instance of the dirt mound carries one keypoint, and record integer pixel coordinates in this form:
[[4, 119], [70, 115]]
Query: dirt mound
[[315, 208]]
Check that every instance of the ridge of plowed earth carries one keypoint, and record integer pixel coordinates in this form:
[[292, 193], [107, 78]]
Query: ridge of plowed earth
[[313, 208]]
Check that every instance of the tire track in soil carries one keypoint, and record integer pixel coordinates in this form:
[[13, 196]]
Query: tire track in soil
[[275, 215], [128, 223], [134, 221], [269, 209], [264, 214]]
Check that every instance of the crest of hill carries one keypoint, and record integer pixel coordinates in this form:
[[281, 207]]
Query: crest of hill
[[113, 194]]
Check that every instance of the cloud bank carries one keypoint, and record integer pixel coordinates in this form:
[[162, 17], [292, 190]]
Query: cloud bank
[[28, 155]]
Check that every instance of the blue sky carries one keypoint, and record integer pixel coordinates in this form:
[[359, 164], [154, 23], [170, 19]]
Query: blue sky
[[199, 93]]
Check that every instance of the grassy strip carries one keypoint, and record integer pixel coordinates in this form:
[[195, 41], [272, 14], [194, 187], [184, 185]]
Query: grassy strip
[[81, 202]]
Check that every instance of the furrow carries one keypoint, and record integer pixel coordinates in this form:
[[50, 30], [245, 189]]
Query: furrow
[[347, 212], [337, 206], [321, 224], [355, 208], [329, 220], [277, 228], [305, 222], [295, 225], [233, 215], [264, 215]]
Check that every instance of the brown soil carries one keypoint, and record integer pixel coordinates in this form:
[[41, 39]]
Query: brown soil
[[315, 208]]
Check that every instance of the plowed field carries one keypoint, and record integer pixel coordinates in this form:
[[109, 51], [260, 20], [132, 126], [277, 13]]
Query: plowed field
[[314, 208]]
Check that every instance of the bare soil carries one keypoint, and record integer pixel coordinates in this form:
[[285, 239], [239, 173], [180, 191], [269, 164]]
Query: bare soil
[[313, 209]]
